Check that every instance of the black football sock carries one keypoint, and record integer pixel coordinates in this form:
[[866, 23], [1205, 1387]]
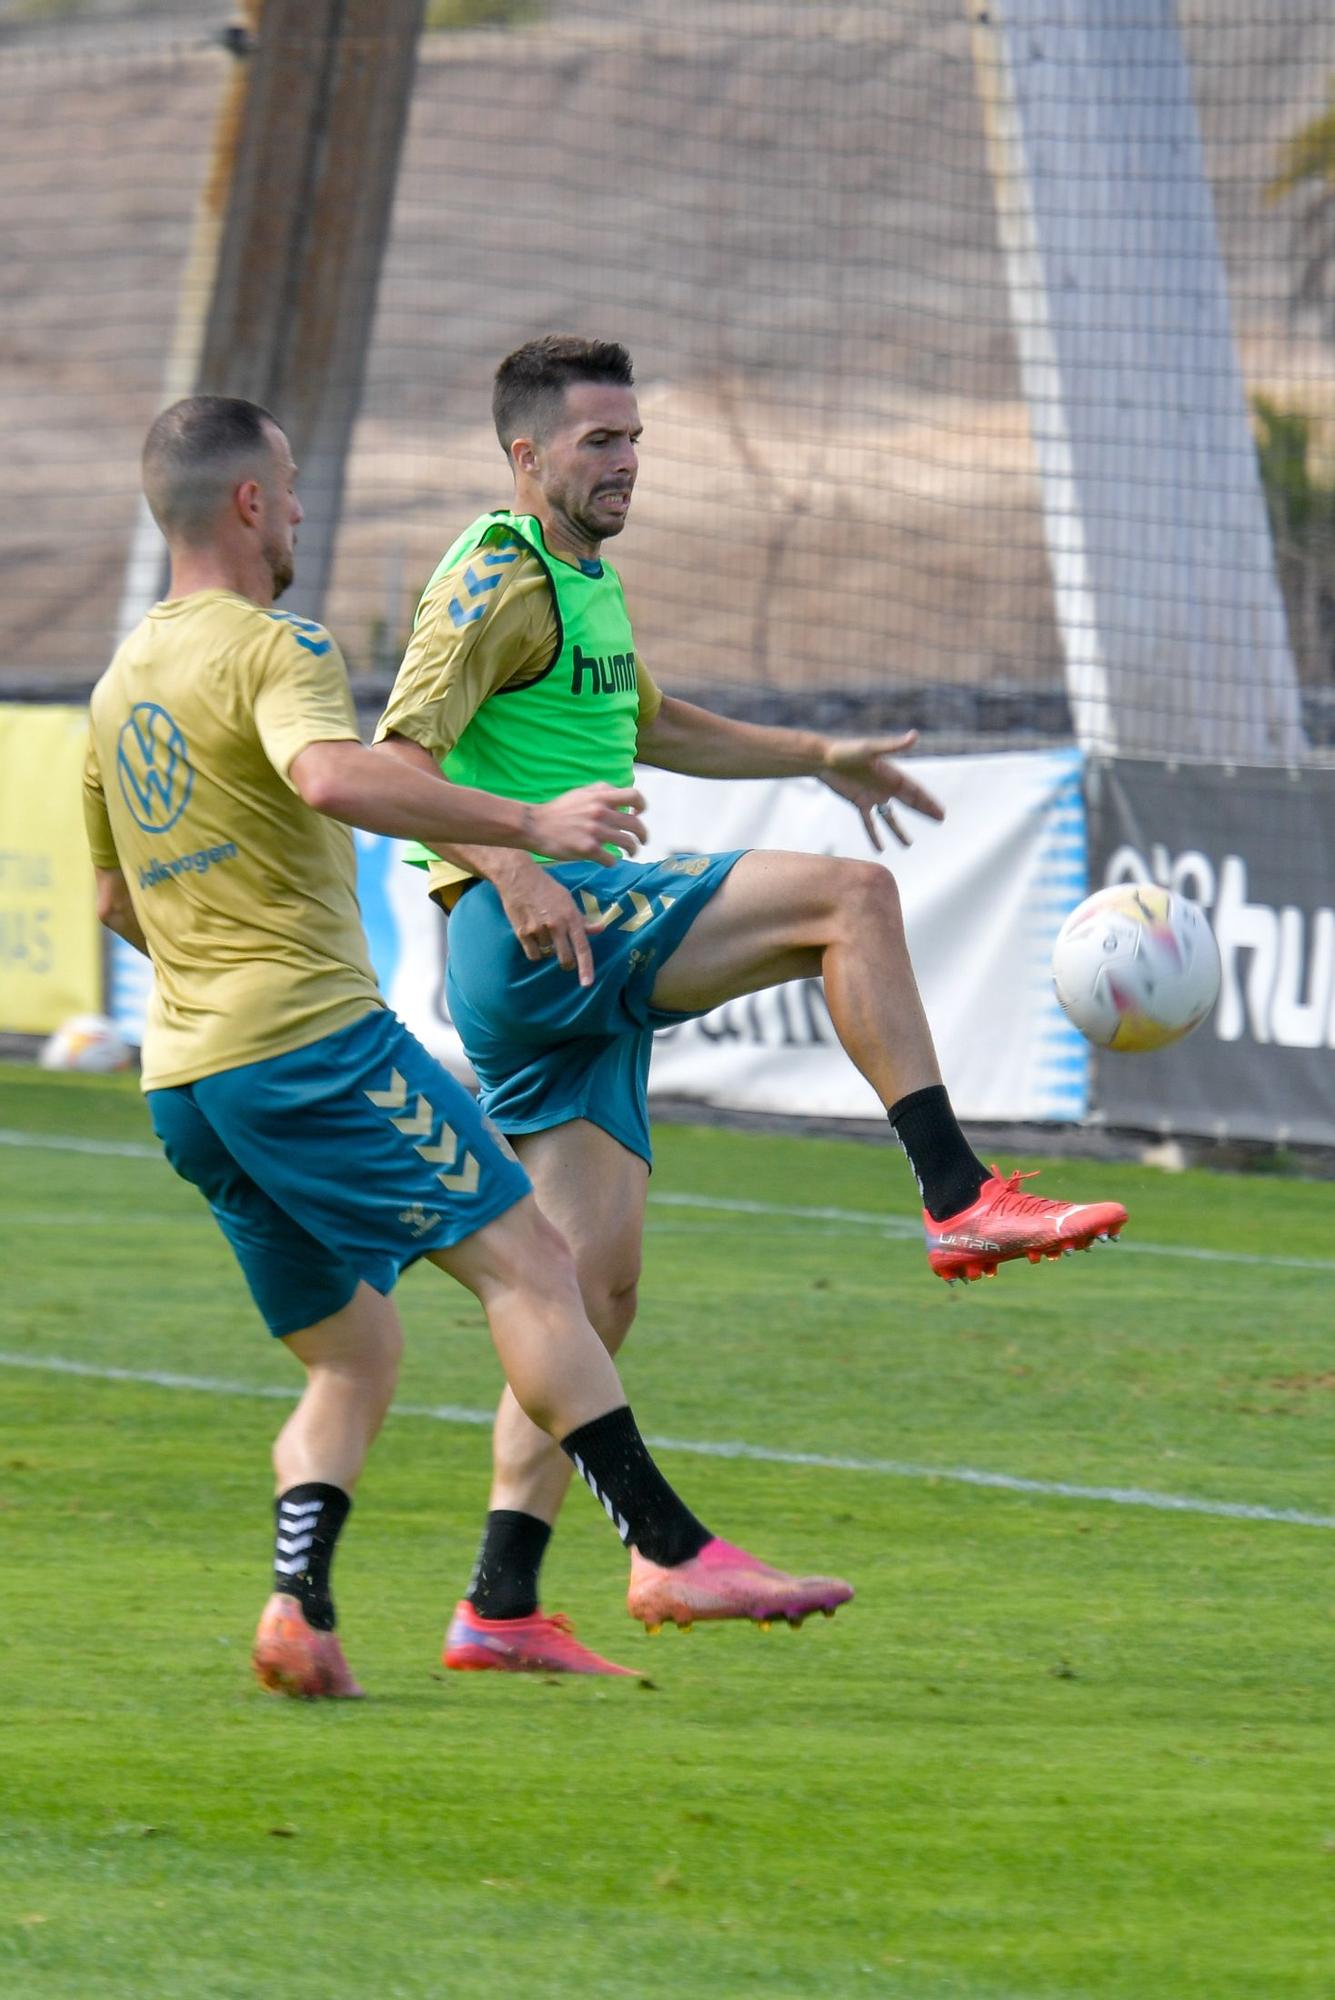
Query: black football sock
[[947, 1170], [505, 1576], [309, 1522], [613, 1460]]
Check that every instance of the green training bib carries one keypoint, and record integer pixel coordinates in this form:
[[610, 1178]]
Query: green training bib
[[577, 723]]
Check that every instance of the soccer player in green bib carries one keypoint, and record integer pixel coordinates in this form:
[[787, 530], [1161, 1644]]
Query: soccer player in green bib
[[522, 677]]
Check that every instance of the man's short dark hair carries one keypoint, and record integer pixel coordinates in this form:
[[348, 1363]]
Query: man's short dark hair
[[531, 382], [191, 457]]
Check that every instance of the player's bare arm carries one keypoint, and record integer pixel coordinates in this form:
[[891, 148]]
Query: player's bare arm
[[542, 912], [348, 782], [862, 769], [115, 908]]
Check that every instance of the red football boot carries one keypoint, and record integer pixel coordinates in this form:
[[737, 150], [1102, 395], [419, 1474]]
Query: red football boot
[[291, 1657], [532, 1645], [1004, 1223], [726, 1582]]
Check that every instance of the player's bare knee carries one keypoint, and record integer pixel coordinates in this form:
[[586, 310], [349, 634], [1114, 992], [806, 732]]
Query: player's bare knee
[[519, 1249], [369, 1374], [868, 900], [612, 1310]]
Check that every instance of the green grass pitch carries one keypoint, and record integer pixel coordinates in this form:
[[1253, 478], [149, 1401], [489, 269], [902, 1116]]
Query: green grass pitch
[[1059, 1748]]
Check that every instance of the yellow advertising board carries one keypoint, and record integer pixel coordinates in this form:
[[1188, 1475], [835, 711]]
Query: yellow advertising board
[[50, 940]]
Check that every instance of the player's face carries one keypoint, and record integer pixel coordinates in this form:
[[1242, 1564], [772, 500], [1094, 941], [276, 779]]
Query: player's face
[[586, 466], [282, 514]]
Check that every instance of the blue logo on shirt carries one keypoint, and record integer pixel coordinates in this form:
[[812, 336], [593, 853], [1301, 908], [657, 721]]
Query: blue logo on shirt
[[305, 631], [153, 765]]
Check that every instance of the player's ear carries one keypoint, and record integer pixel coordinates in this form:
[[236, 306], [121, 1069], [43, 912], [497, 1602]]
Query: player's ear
[[523, 455], [248, 499]]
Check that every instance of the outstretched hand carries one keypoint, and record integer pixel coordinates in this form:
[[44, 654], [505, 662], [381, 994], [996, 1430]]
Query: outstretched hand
[[862, 770]]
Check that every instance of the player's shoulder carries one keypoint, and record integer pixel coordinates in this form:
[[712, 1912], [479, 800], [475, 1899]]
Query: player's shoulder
[[466, 589], [267, 642], [284, 631], [224, 623], [211, 643]]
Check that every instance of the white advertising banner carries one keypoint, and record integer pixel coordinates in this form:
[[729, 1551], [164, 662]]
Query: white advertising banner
[[983, 896]]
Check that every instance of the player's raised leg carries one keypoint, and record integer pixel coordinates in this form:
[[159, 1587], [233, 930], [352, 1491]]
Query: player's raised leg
[[521, 1270], [781, 916], [592, 1189], [351, 1360]]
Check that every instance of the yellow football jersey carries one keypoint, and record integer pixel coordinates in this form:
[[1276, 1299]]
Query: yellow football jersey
[[247, 898]]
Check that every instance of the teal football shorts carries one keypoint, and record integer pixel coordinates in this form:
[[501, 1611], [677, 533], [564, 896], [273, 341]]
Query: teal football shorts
[[336, 1163], [547, 1049]]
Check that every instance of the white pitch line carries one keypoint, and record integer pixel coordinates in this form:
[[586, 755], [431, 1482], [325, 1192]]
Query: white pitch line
[[898, 1227], [61, 1142], [733, 1448]]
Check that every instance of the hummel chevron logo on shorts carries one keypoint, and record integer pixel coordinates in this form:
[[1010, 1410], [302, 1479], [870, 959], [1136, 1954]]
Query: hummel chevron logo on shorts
[[459, 1169], [613, 916]]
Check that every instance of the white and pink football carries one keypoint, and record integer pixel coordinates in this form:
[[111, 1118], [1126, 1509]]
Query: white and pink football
[[1136, 967]]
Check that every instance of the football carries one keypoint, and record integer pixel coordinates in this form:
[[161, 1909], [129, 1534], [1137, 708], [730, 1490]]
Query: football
[[87, 1042], [1136, 967]]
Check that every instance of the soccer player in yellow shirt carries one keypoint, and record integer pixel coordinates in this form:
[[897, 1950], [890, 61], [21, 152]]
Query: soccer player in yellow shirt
[[522, 675], [224, 774]]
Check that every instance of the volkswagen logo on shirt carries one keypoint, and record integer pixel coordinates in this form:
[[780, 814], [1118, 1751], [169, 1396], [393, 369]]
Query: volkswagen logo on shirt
[[154, 767]]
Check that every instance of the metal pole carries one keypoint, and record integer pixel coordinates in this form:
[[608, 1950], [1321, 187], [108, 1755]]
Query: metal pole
[[1162, 560], [146, 565], [306, 228]]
